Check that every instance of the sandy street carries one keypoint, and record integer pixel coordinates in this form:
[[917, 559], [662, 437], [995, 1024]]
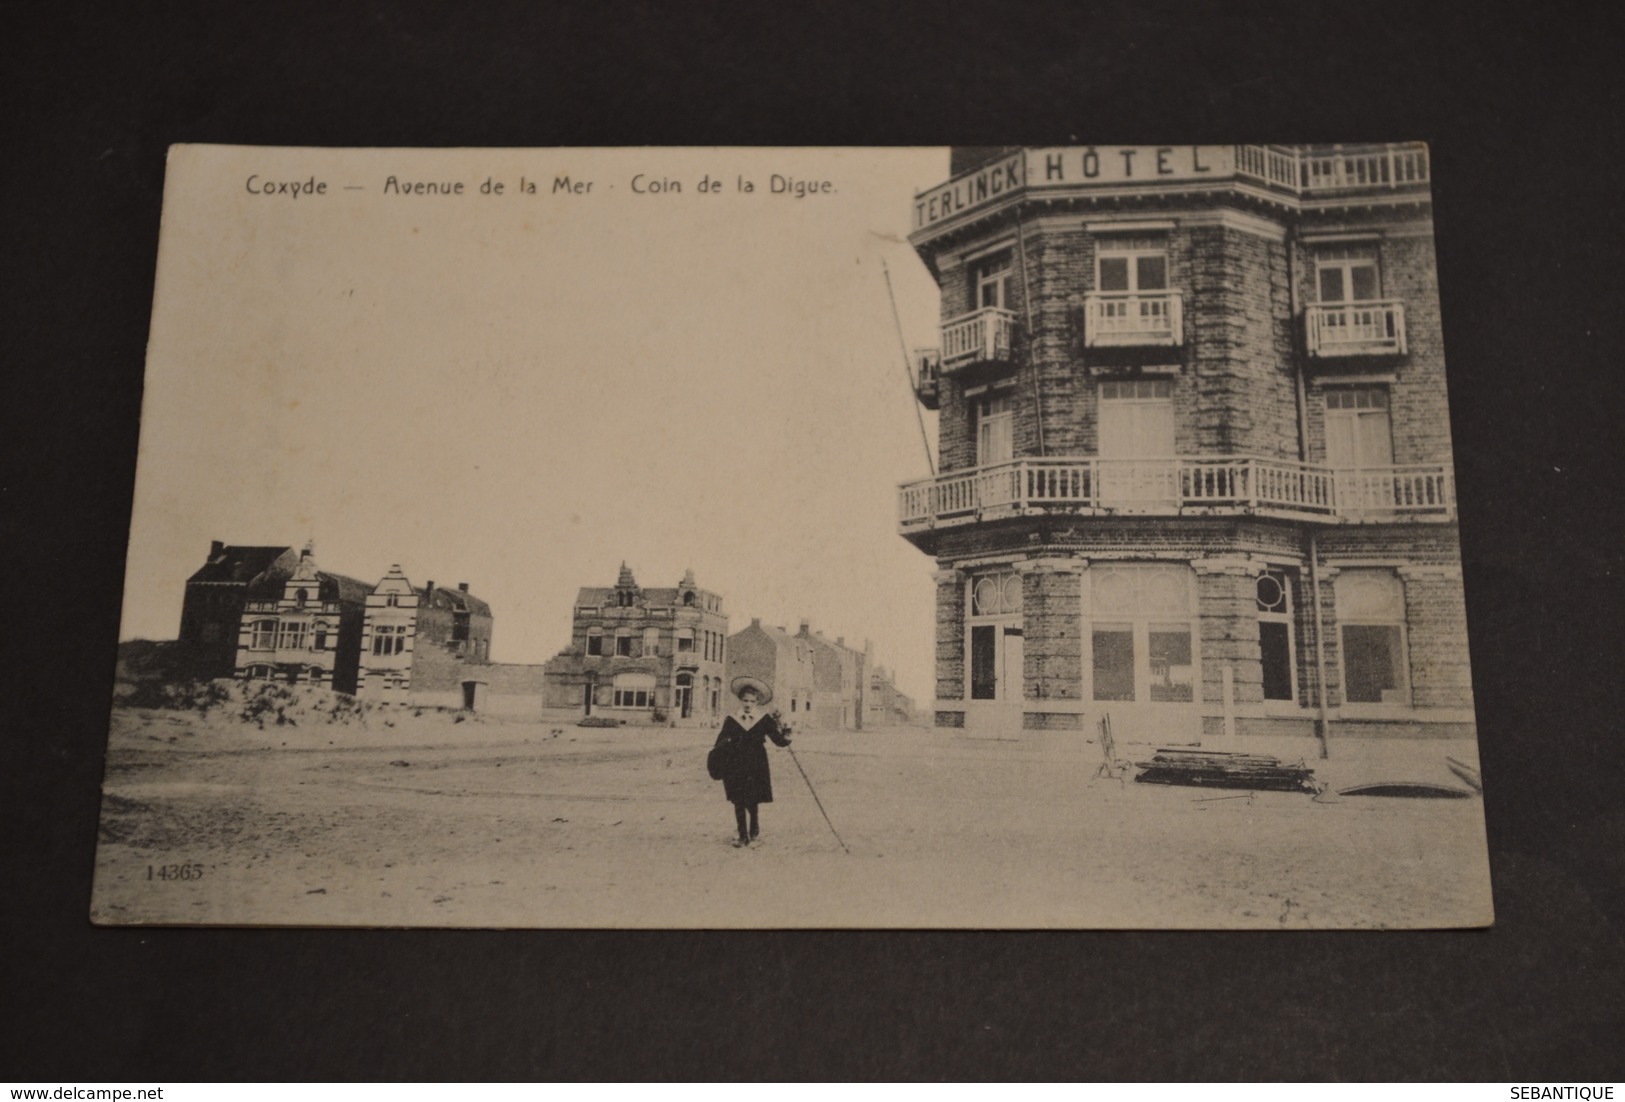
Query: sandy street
[[426, 820]]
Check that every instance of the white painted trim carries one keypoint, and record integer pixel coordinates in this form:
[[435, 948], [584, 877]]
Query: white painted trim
[[1006, 383], [1424, 570], [1225, 218], [1375, 379], [1163, 225], [971, 255], [1064, 564], [1351, 237], [1054, 707], [1376, 713]]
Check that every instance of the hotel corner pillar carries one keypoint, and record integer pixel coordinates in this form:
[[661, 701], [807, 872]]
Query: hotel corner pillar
[[1052, 615], [1232, 673], [950, 691]]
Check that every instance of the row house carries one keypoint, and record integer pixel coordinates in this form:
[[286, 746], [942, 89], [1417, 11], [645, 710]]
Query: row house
[[423, 644], [302, 628], [1194, 448], [817, 682], [839, 675], [886, 704], [643, 654], [780, 659], [216, 594]]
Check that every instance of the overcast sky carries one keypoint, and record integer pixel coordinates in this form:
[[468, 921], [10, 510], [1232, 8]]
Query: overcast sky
[[522, 390]]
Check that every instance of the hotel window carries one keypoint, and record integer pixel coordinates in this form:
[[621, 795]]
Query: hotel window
[[1142, 632], [1131, 264], [292, 635], [685, 640], [388, 639], [259, 673], [991, 282], [1358, 430], [321, 635], [595, 641], [300, 597], [651, 642], [263, 635], [315, 675], [1274, 598], [623, 644], [1371, 616], [393, 600], [995, 430], [634, 690], [1347, 274], [459, 627]]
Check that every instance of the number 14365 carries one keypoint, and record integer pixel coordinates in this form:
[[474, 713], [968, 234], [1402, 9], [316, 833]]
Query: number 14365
[[174, 872]]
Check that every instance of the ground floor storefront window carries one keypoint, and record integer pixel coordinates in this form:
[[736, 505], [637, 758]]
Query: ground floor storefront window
[[1142, 632], [634, 690], [1371, 619]]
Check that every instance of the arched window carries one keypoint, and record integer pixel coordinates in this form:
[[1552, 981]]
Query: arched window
[[1274, 599], [300, 596]]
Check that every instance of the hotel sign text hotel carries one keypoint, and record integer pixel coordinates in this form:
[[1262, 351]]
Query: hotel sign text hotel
[[1072, 166]]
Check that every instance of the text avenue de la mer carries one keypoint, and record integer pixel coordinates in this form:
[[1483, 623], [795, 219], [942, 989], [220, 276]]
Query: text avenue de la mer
[[314, 187]]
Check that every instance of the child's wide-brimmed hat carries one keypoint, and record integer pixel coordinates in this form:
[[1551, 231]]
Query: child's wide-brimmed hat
[[764, 692]]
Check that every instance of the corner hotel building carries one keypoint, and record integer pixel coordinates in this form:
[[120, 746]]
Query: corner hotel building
[[1194, 448]]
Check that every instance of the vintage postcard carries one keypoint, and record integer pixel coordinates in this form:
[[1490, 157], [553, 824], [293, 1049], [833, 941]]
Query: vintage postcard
[[987, 537]]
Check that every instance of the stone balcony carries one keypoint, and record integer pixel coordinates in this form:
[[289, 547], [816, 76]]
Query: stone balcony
[[1178, 486]]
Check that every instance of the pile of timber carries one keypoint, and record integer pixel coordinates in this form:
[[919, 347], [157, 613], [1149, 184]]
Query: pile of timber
[[1216, 769]]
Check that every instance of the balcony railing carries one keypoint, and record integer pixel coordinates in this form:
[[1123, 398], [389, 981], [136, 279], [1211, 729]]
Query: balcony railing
[[1375, 328], [1270, 163], [1390, 166], [982, 336], [928, 376], [1184, 484], [1123, 318]]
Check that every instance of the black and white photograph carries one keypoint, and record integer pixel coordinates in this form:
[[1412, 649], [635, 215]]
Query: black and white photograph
[[985, 537]]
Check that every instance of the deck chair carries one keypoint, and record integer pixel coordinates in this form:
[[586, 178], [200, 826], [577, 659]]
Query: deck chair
[[1112, 767]]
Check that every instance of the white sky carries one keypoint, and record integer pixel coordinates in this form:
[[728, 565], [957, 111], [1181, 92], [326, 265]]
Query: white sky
[[520, 391]]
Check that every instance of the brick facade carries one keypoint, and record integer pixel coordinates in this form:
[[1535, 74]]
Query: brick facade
[[1286, 439], [643, 654]]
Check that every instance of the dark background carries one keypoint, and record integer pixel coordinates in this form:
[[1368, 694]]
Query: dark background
[[1522, 113]]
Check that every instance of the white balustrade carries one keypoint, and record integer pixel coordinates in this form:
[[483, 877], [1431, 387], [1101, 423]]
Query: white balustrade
[[978, 337], [1118, 318], [1384, 167], [1169, 486], [1355, 328]]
